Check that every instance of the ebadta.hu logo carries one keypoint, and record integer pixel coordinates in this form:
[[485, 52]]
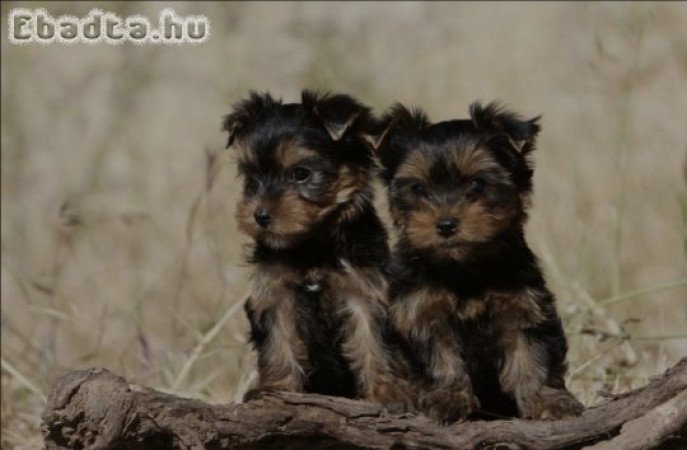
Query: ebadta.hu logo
[[37, 25]]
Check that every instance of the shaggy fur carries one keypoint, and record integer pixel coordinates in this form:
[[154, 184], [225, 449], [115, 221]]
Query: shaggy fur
[[318, 309], [467, 294]]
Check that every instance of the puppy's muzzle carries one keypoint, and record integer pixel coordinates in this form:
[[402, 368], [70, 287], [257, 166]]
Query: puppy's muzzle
[[263, 217], [446, 227]]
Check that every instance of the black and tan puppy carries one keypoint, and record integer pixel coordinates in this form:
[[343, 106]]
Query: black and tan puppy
[[318, 304], [467, 293]]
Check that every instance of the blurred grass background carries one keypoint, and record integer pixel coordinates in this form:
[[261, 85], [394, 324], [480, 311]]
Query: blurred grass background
[[119, 247]]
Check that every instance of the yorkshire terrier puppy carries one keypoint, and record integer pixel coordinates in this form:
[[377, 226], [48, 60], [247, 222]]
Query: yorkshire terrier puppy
[[318, 308], [467, 293]]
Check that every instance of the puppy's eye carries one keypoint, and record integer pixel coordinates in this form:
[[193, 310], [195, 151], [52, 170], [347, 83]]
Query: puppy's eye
[[476, 186], [418, 190], [300, 174], [251, 184]]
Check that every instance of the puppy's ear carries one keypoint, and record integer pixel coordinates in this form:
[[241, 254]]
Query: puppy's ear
[[397, 125], [398, 120], [494, 119], [246, 112], [338, 113]]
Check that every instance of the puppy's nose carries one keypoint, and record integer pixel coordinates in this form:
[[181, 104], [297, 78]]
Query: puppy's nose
[[446, 227], [263, 217]]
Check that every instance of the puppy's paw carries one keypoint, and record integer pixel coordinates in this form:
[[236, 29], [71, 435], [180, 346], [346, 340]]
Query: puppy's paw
[[396, 398], [259, 392], [563, 408], [445, 406], [555, 405]]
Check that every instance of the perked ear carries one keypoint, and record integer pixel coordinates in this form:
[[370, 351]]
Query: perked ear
[[245, 112], [495, 119], [396, 127], [338, 113], [397, 120]]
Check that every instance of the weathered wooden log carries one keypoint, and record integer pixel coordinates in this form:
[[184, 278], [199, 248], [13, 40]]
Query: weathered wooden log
[[95, 409]]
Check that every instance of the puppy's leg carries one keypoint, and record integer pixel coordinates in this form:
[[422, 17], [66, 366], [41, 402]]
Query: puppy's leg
[[382, 375], [533, 367], [424, 319], [449, 397], [282, 354], [525, 375]]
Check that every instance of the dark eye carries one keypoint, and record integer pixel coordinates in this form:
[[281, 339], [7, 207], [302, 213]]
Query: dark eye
[[476, 186], [251, 184], [418, 189], [300, 174]]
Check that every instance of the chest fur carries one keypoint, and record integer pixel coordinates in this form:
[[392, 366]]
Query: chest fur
[[507, 310], [333, 288]]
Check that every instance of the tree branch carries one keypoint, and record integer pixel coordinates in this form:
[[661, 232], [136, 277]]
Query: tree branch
[[95, 409]]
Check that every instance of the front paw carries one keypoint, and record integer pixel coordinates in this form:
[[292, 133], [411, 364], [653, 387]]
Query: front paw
[[396, 398], [445, 406], [259, 392], [556, 405]]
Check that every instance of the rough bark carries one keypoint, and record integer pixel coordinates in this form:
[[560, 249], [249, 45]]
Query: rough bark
[[95, 409]]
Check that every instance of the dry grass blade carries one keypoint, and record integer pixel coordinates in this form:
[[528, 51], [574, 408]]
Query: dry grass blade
[[644, 291], [119, 244], [205, 340], [629, 354], [21, 379]]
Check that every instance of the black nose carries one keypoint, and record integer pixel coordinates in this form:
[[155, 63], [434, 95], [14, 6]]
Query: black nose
[[263, 217], [446, 227]]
